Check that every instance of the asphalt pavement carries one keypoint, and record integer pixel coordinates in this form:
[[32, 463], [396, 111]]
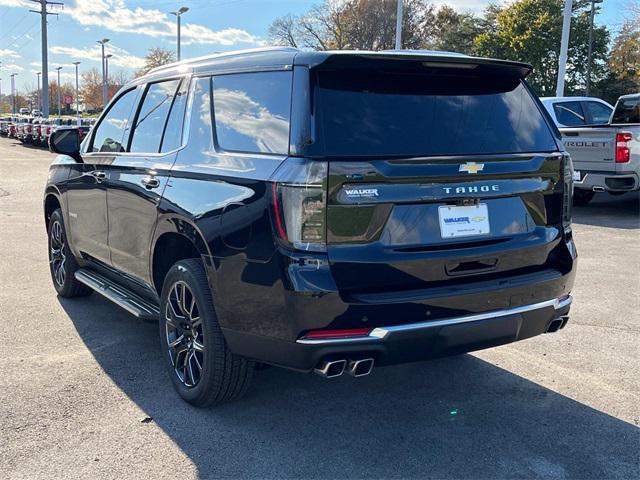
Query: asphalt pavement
[[84, 394]]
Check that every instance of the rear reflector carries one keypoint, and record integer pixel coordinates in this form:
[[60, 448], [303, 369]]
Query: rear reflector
[[622, 148], [343, 333]]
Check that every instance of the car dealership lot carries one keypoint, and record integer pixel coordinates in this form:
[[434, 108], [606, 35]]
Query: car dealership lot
[[84, 392]]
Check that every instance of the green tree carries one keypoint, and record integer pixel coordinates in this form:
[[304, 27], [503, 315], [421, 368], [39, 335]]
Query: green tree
[[449, 30], [623, 74], [530, 31]]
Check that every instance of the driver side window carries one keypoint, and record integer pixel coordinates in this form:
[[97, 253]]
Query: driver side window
[[110, 133]]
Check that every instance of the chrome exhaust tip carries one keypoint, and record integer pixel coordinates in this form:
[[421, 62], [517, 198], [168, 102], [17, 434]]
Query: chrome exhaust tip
[[599, 189], [330, 369], [555, 325], [360, 368]]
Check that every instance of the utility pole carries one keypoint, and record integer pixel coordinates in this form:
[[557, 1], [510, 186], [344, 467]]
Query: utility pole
[[59, 105], [178, 14], [564, 47], [13, 91], [593, 8], [399, 25], [45, 61], [104, 78], [77, 95]]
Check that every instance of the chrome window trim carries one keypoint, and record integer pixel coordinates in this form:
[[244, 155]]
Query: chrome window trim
[[380, 333]]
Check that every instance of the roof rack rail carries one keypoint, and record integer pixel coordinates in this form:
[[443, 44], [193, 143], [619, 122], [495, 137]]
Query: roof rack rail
[[195, 60]]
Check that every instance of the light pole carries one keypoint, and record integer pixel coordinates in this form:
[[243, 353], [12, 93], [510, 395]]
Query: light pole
[[104, 78], [59, 105], [39, 96], [13, 91], [564, 47], [399, 24], [106, 70], [593, 7], [77, 97], [178, 14]]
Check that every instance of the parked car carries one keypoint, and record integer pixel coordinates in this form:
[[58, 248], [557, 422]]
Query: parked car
[[4, 125], [320, 211], [25, 129], [606, 157], [36, 131], [577, 111], [24, 111]]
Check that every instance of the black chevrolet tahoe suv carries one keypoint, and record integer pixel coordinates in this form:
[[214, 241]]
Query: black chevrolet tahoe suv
[[320, 211]]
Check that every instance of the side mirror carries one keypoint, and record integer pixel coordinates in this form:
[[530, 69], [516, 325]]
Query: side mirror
[[65, 141]]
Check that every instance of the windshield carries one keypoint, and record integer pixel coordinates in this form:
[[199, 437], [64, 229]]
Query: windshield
[[627, 111], [399, 113]]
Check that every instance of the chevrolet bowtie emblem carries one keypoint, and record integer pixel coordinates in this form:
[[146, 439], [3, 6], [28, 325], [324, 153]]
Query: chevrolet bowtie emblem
[[471, 167]]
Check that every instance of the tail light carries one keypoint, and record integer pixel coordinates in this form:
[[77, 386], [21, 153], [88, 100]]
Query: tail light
[[567, 194], [300, 203], [623, 154]]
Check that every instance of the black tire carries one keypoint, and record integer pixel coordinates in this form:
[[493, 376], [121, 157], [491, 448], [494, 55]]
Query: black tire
[[62, 263], [203, 370], [582, 197]]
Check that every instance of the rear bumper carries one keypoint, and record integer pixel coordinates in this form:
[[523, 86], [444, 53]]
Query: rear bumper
[[608, 181], [410, 342]]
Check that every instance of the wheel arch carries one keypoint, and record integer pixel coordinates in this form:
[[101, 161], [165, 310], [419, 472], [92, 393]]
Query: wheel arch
[[51, 202], [175, 239]]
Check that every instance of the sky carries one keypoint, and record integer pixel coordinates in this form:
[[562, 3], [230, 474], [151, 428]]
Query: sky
[[134, 26]]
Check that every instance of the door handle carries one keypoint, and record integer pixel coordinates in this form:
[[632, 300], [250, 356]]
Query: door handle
[[150, 182]]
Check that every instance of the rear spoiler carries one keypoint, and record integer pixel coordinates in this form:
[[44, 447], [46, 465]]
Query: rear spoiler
[[411, 59]]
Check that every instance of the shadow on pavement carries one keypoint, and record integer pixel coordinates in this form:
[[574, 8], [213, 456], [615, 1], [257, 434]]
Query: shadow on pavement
[[605, 210], [452, 418]]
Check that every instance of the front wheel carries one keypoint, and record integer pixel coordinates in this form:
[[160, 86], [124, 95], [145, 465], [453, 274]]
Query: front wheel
[[582, 197], [62, 263], [202, 368]]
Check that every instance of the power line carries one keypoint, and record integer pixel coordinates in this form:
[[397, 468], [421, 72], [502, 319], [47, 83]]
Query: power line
[[14, 26]]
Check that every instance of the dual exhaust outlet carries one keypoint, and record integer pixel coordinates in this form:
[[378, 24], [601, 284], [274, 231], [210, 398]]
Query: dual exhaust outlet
[[335, 368]]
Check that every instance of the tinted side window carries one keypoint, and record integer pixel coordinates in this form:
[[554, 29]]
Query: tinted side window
[[152, 117], [569, 113], [252, 111], [599, 112], [109, 134], [172, 138]]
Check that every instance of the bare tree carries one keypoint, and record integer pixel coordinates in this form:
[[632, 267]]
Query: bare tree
[[156, 57], [353, 24]]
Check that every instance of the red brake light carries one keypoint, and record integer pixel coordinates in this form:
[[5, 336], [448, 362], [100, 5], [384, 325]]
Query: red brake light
[[623, 154], [342, 333]]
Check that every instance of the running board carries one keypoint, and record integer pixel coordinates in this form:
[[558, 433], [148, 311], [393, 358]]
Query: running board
[[132, 303]]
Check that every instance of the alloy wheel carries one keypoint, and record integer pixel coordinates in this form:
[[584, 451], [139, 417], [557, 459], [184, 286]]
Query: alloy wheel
[[57, 257], [184, 335]]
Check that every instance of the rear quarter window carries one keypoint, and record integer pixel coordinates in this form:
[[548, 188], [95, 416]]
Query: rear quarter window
[[252, 111]]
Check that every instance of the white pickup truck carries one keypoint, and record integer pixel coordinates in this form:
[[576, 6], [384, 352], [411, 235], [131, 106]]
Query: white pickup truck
[[606, 157]]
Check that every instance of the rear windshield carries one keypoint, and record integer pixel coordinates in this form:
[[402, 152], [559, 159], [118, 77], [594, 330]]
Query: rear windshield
[[389, 113], [627, 111]]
